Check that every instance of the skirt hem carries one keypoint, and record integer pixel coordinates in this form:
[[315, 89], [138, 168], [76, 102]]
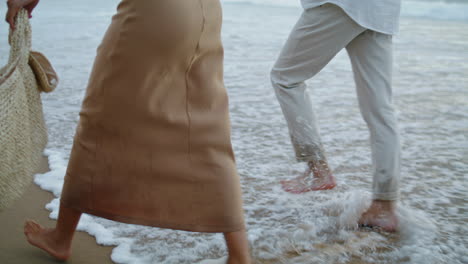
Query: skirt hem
[[153, 223]]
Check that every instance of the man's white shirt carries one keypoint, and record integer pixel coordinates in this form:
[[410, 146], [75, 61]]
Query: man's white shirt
[[378, 15]]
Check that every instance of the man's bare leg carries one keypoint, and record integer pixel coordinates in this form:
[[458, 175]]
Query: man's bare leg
[[316, 177], [55, 241], [381, 215], [238, 247]]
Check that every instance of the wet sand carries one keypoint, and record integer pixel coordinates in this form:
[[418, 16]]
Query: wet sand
[[14, 249]]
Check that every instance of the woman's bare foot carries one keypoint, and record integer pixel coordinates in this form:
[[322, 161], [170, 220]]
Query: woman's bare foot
[[45, 239], [317, 177], [227, 260], [233, 260], [380, 215]]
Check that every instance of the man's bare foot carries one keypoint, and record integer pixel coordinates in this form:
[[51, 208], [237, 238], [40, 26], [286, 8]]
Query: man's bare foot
[[45, 239], [317, 177], [380, 215]]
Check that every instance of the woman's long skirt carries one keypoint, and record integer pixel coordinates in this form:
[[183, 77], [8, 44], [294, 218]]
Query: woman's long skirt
[[153, 142]]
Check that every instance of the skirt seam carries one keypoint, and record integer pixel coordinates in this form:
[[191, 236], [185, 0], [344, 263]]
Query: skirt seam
[[187, 101]]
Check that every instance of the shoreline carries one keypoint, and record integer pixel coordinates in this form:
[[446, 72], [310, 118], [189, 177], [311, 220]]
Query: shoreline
[[14, 249]]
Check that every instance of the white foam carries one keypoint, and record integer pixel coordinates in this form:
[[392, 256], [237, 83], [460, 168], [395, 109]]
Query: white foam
[[222, 260]]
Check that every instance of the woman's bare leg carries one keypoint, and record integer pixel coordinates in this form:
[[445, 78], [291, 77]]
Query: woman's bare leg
[[238, 247], [55, 241]]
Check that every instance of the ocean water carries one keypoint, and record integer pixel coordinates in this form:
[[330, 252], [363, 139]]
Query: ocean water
[[431, 95]]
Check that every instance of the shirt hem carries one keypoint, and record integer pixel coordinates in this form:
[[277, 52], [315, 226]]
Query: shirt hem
[[310, 6]]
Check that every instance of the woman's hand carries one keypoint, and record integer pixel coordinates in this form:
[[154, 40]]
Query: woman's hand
[[14, 6]]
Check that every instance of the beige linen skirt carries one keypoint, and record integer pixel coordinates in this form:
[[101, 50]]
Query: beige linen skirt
[[153, 142]]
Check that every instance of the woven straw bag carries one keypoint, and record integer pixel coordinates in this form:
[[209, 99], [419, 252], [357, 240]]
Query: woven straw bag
[[23, 134]]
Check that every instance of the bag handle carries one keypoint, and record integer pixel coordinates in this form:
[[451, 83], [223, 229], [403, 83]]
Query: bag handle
[[20, 39]]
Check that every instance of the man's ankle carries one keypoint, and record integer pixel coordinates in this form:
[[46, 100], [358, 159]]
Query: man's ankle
[[319, 167], [386, 205]]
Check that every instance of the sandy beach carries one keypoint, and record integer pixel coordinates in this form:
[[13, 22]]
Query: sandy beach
[[14, 249]]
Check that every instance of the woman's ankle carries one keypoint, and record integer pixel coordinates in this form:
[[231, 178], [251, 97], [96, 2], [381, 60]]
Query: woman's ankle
[[239, 259], [238, 247]]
